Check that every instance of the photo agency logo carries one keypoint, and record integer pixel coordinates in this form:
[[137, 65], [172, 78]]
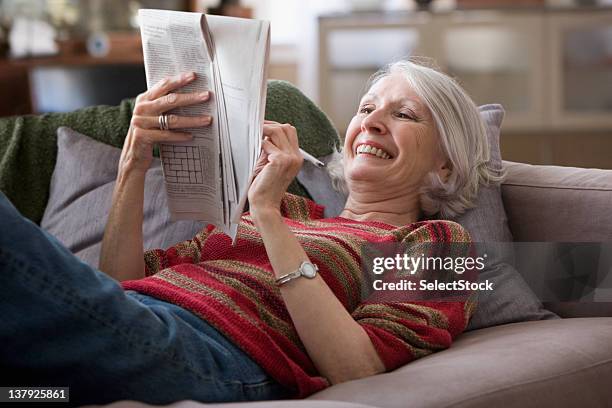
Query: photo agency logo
[[423, 271], [551, 271]]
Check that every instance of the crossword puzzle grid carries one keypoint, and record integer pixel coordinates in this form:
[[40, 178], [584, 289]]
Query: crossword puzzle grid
[[182, 164]]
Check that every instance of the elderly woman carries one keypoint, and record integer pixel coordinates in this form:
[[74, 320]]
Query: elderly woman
[[279, 314]]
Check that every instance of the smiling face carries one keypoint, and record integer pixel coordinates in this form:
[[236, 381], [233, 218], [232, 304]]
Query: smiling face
[[392, 141]]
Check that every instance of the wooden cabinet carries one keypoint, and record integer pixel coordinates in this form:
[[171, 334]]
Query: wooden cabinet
[[497, 57], [580, 45], [14, 91], [550, 68], [68, 82]]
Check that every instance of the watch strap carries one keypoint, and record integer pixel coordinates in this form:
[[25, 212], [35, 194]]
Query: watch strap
[[288, 277], [295, 274]]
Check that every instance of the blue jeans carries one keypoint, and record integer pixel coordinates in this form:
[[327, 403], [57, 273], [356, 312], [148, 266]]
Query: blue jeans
[[63, 323]]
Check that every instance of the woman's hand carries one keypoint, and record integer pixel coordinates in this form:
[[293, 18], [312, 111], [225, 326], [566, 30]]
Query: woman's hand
[[145, 130], [279, 163], [121, 255]]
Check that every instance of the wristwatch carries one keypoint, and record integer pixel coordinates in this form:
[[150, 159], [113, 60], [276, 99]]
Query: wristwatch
[[307, 269]]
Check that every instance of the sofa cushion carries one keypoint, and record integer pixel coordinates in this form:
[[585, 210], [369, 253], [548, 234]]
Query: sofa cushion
[[555, 363], [537, 197], [80, 198], [28, 149], [487, 221], [511, 300]]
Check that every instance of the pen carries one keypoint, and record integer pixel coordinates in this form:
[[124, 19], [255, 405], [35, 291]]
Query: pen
[[308, 157]]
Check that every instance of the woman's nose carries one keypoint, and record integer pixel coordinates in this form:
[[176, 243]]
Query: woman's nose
[[373, 123]]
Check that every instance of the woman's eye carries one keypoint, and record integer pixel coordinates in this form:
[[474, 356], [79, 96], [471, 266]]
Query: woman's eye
[[403, 115], [365, 109]]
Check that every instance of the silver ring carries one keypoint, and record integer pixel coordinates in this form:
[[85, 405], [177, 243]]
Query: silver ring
[[163, 122]]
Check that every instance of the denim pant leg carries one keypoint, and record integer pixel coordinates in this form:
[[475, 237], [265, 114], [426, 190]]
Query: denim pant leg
[[255, 382], [64, 323]]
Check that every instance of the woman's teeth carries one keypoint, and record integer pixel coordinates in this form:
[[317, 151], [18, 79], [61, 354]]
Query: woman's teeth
[[373, 151]]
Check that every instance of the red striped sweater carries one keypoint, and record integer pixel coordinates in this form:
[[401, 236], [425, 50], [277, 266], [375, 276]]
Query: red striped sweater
[[233, 289]]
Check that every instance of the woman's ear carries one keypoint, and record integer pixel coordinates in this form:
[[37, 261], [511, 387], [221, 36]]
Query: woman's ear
[[445, 170]]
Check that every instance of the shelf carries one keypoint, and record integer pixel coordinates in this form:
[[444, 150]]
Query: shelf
[[72, 60]]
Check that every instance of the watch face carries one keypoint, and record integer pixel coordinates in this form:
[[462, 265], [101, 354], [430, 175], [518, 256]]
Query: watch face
[[308, 270]]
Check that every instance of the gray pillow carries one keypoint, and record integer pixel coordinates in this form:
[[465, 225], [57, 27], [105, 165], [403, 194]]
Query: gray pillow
[[80, 198], [512, 300]]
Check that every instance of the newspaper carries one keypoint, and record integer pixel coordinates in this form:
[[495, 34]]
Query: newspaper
[[208, 177]]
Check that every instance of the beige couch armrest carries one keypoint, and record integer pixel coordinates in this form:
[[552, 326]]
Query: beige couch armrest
[[560, 204], [563, 204]]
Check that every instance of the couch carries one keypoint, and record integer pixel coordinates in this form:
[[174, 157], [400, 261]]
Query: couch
[[561, 362]]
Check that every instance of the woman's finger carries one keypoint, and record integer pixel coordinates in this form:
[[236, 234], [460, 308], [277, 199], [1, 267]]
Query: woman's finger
[[167, 85], [275, 156], [174, 121], [277, 135], [269, 148], [292, 137], [288, 139], [262, 160], [151, 136], [169, 102]]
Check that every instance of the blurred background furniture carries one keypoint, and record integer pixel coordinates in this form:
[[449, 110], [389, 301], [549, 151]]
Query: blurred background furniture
[[65, 83], [97, 58], [549, 62], [550, 68]]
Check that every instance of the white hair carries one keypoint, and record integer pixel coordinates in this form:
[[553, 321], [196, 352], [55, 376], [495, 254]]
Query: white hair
[[463, 140]]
